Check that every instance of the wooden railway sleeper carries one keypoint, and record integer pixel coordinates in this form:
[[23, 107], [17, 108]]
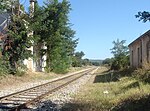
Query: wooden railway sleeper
[[11, 103], [36, 93], [33, 95], [24, 97], [17, 100], [40, 92]]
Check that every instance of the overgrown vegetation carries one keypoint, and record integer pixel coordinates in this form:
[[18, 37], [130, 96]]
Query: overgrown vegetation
[[47, 29], [15, 45], [3, 67], [113, 91], [58, 36]]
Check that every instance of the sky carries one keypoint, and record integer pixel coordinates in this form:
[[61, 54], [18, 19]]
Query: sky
[[100, 22]]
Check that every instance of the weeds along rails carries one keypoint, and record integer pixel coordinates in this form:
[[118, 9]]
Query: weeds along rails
[[19, 100]]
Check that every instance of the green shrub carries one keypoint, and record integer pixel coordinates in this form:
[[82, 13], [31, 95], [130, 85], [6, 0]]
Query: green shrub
[[21, 69], [4, 67], [142, 75], [59, 66], [20, 72]]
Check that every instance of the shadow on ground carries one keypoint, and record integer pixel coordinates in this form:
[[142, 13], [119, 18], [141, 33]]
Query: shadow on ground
[[42, 106], [106, 77], [141, 104], [79, 107], [72, 106], [112, 76]]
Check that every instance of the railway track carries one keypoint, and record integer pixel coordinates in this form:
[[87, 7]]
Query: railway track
[[21, 99]]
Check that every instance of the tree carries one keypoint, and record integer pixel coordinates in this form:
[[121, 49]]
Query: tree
[[86, 62], [143, 16], [15, 47], [38, 28], [96, 63], [18, 42], [5, 5], [77, 59], [58, 36], [51, 28], [107, 61], [121, 57], [119, 48]]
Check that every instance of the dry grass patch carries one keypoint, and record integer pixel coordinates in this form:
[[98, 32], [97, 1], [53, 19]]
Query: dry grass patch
[[10, 80], [29, 77], [106, 95]]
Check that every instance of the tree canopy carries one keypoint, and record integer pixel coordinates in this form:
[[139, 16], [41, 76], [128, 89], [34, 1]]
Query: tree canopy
[[77, 59], [121, 57], [58, 36], [52, 35], [143, 16], [119, 48]]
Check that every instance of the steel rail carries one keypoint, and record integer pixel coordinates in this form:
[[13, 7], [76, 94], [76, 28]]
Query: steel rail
[[40, 85], [16, 104]]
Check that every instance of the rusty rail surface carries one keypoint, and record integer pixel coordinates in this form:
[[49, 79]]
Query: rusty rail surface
[[19, 100]]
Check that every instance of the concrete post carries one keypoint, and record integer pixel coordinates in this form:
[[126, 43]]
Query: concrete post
[[30, 61]]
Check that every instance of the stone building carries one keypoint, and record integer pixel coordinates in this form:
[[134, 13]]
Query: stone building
[[4, 19], [32, 65], [140, 51]]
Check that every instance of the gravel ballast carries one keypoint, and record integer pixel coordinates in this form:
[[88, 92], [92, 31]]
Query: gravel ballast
[[26, 85], [56, 100]]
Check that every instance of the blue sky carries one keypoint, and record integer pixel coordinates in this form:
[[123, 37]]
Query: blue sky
[[99, 22]]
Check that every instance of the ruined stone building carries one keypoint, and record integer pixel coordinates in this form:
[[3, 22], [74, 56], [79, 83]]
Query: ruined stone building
[[32, 65], [140, 51]]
